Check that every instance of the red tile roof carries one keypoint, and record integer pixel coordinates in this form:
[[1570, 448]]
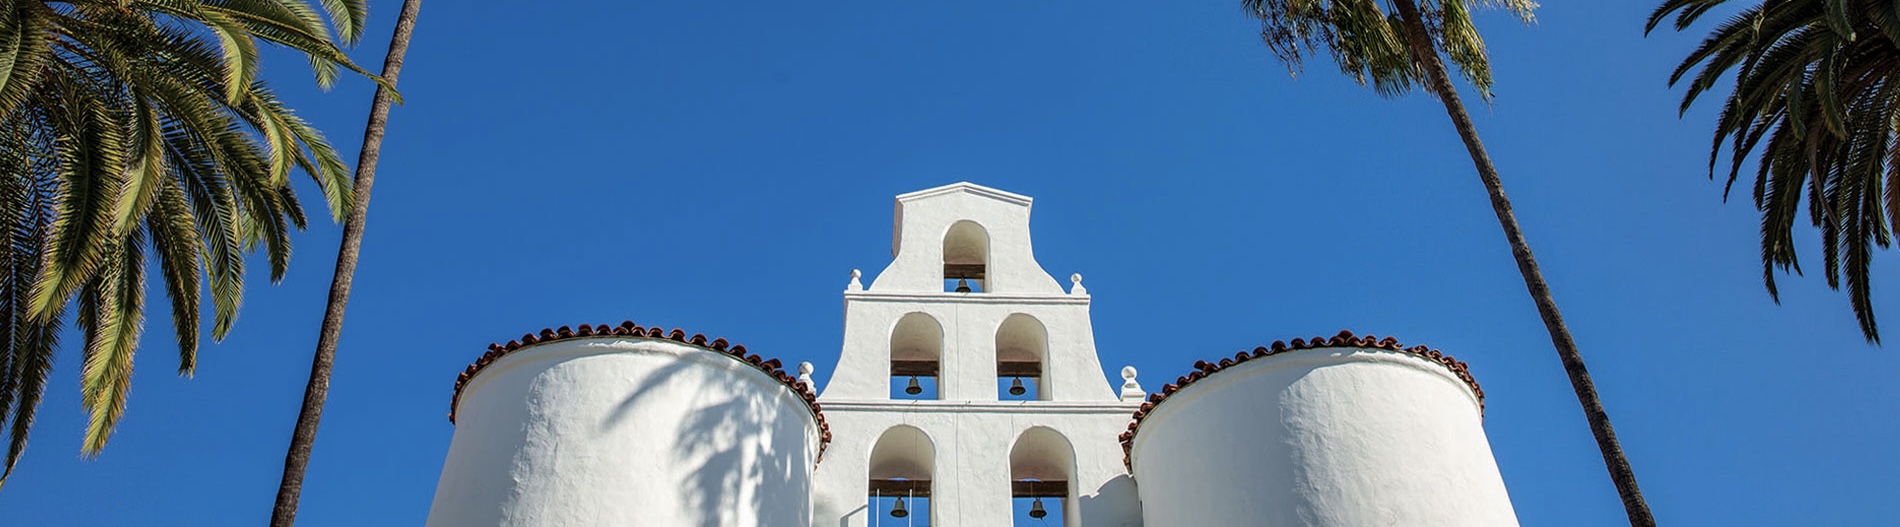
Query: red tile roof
[[629, 330], [1345, 339]]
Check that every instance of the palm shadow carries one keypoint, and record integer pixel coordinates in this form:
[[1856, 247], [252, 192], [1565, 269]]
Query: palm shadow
[[730, 441]]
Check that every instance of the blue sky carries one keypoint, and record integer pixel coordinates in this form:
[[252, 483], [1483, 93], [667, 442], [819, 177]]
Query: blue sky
[[722, 167]]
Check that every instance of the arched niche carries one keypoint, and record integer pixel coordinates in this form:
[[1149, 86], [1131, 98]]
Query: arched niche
[[966, 257], [1042, 466], [1022, 353], [916, 356], [903, 462]]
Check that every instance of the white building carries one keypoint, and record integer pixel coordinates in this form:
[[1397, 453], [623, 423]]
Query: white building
[[968, 390]]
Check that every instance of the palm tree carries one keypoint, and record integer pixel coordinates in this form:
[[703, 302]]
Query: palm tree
[[136, 130], [304, 437], [1818, 80], [1395, 52]]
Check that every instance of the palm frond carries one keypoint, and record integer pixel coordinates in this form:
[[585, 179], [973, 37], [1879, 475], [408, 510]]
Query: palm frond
[[240, 53], [139, 130], [119, 310], [176, 242], [90, 149], [1815, 83], [25, 44], [146, 169], [33, 341], [1367, 42]]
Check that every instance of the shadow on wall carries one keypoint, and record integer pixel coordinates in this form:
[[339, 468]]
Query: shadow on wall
[[665, 377], [845, 521], [737, 475], [1116, 498]]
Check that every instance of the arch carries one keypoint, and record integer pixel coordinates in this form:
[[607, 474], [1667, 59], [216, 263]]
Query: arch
[[1022, 352], [966, 254], [1042, 465], [903, 462], [916, 353], [903, 452]]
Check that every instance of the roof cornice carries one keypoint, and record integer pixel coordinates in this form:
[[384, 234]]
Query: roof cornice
[[972, 188]]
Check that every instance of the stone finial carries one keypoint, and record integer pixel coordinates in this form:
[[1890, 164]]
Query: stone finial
[[1076, 288], [1131, 390], [855, 285], [804, 368]]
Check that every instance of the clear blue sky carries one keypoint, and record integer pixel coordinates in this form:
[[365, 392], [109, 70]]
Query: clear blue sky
[[723, 167]]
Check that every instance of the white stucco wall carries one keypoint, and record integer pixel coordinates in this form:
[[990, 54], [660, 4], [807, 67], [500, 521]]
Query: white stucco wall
[[971, 434], [970, 482], [970, 322], [1344, 437], [627, 431], [925, 216]]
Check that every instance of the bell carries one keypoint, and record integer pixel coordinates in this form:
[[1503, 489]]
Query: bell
[[913, 389], [1035, 509], [1016, 387], [897, 509], [963, 286]]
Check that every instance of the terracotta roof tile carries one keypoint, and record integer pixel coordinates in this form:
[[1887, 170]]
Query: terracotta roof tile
[[1345, 339], [628, 329]]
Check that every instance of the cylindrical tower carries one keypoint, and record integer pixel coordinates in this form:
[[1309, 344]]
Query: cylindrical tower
[[1340, 431], [628, 426]]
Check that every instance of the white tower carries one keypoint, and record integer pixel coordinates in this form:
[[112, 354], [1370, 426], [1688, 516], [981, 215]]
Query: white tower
[[960, 450], [1343, 431], [624, 425]]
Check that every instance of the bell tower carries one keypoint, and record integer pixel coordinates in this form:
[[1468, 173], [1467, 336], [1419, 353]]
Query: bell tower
[[968, 380]]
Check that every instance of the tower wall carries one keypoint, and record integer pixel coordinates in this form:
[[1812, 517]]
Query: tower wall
[[972, 444], [1320, 437], [970, 325], [627, 431], [923, 219]]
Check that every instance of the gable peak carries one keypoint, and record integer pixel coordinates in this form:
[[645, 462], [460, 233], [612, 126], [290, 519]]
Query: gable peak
[[966, 187]]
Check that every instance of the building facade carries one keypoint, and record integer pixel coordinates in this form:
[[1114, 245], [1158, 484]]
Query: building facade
[[967, 392]]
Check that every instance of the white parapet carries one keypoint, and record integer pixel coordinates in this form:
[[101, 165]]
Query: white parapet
[[1333, 436], [627, 430]]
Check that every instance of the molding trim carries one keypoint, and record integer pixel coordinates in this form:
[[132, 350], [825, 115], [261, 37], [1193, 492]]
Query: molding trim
[[965, 298], [961, 407], [972, 188]]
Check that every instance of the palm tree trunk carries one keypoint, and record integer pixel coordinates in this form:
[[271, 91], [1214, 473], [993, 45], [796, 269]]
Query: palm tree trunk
[[305, 436], [1439, 82]]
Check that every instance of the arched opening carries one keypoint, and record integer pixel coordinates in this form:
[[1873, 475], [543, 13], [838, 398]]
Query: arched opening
[[966, 258], [1022, 351], [916, 356], [902, 462], [1041, 465]]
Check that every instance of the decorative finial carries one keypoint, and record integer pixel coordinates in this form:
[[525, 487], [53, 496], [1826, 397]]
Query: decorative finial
[[855, 285], [1077, 289], [1131, 390], [804, 370]]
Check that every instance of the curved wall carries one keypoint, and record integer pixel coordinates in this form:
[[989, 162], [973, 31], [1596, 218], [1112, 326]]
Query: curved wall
[[627, 431], [1344, 436]]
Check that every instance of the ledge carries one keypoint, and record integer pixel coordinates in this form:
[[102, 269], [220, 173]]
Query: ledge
[[966, 298], [1018, 407]]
